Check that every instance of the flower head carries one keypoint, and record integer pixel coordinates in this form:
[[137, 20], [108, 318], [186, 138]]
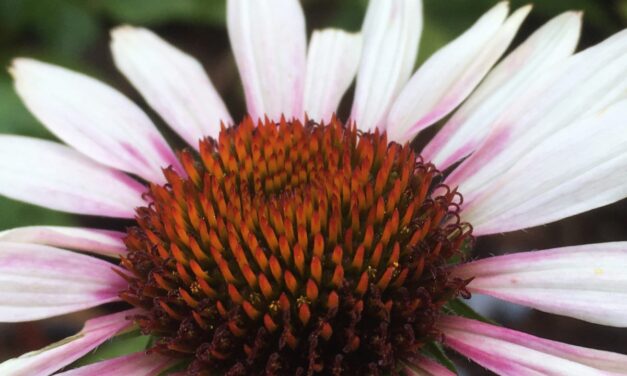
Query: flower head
[[295, 248], [291, 242]]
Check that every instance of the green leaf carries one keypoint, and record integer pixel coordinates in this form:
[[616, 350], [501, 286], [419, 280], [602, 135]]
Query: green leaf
[[460, 308], [436, 351], [122, 344], [16, 214], [179, 367]]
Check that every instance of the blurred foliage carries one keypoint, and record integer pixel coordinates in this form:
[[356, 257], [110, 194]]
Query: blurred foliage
[[150, 12], [74, 33], [457, 307], [122, 344], [435, 351]]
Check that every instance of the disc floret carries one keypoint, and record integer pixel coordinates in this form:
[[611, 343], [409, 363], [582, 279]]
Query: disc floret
[[293, 248]]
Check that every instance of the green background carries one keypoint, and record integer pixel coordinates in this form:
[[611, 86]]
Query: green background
[[74, 33]]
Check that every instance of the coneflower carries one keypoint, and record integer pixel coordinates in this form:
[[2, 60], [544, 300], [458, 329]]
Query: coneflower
[[294, 243]]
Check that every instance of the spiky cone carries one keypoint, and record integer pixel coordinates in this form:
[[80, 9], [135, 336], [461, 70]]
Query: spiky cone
[[295, 248]]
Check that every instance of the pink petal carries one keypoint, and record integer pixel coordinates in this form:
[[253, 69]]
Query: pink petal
[[93, 118], [136, 364], [582, 85], [425, 367], [38, 281], [269, 42], [587, 282], [451, 74], [172, 82], [57, 177], [548, 46], [102, 242], [508, 352], [578, 168], [60, 354], [391, 32], [332, 63]]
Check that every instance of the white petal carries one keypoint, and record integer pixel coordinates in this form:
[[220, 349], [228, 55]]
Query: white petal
[[55, 176], [172, 82], [581, 167], [582, 84], [451, 74], [269, 44], [587, 282], [60, 354], [511, 353], [38, 281], [391, 33], [93, 118], [136, 364], [332, 63], [548, 46], [102, 242]]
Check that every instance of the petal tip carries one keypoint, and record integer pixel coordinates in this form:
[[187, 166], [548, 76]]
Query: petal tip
[[18, 64], [503, 6], [122, 29], [525, 9]]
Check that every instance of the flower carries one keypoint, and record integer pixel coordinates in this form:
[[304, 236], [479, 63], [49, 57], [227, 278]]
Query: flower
[[294, 243]]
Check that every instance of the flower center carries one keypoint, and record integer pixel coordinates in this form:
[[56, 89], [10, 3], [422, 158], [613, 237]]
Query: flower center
[[295, 249]]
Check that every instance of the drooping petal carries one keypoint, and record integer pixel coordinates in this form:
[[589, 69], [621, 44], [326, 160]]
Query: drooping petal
[[548, 46], [451, 74], [38, 281], [425, 367], [332, 62], [60, 354], [136, 364], [581, 167], [587, 282], [93, 118], [102, 242], [508, 352], [391, 32], [583, 84], [55, 176], [172, 82], [269, 43]]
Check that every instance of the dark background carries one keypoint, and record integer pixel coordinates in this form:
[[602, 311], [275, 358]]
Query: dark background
[[74, 33]]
